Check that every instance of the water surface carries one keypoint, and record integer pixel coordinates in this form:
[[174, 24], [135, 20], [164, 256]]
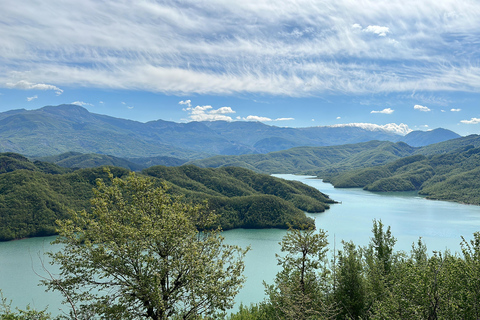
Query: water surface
[[440, 224]]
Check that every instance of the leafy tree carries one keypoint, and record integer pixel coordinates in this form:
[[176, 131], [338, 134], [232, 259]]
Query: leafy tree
[[350, 282], [471, 275], [298, 291], [138, 254], [6, 312], [379, 259]]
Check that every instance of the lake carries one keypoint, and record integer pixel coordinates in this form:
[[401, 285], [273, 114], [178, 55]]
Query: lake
[[440, 224]]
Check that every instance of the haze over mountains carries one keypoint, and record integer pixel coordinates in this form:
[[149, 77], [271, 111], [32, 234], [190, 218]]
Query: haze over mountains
[[54, 130]]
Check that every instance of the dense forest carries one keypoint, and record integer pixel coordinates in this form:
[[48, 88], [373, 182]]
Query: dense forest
[[452, 176], [34, 194], [371, 282]]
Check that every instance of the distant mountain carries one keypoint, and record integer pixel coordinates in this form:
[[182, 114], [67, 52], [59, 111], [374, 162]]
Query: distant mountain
[[54, 130], [424, 138]]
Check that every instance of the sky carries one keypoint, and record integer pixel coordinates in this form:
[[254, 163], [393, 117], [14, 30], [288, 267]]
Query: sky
[[401, 65]]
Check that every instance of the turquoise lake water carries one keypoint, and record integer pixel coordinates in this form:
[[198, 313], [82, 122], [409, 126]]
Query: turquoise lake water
[[440, 224]]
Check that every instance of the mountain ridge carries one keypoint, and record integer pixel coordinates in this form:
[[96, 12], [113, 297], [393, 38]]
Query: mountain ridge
[[53, 130]]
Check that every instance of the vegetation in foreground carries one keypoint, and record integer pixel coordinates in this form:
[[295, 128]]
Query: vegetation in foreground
[[139, 255]]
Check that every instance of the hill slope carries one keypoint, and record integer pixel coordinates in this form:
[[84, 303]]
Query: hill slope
[[451, 176], [313, 160], [34, 194]]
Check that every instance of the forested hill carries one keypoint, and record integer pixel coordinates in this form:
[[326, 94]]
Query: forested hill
[[312, 160], [34, 194], [451, 176], [323, 161]]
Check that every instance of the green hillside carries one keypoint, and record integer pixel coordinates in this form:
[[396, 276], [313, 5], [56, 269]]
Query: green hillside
[[315, 160], [451, 176], [91, 160], [34, 194]]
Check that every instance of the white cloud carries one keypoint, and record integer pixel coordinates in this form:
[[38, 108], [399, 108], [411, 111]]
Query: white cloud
[[186, 102], [82, 104], [378, 30], [257, 118], [207, 113], [455, 110], [338, 118], [421, 108], [471, 121], [32, 98], [26, 85], [264, 119], [287, 48], [401, 129], [384, 111], [222, 110]]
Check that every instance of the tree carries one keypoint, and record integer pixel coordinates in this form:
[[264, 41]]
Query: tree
[[6, 312], [379, 259], [138, 254], [298, 292], [350, 282]]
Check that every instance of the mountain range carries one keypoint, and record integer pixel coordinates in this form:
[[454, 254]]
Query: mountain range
[[54, 130]]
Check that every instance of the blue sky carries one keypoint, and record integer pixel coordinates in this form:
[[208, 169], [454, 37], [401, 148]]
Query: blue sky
[[403, 65]]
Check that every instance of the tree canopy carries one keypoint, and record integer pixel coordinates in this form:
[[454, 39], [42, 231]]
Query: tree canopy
[[139, 255]]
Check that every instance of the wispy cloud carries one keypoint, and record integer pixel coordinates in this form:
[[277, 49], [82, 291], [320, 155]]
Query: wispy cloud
[[471, 121], [26, 85], [32, 98], [385, 111], [286, 48], [421, 108], [455, 110]]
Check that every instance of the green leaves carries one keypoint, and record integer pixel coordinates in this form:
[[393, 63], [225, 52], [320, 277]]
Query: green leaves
[[138, 254]]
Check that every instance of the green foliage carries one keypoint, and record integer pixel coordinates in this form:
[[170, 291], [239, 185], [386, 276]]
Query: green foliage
[[375, 282], [350, 287], [91, 160], [243, 198], [453, 176], [138, 254], [317, 160], [6, 312], [299, 289], [34, 194], [31, 200]]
